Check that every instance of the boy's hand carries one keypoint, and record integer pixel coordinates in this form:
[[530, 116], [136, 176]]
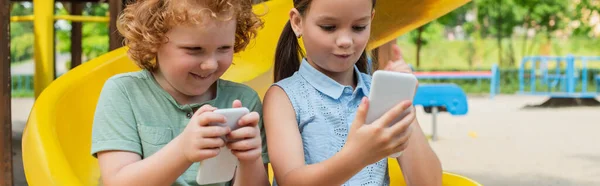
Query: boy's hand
[[245, 142], [199, 140]]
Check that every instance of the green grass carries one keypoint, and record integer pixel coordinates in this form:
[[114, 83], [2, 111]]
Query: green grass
[[457, 55], [22, 94]]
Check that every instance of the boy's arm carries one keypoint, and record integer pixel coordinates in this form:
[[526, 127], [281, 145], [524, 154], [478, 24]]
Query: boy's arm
[[251, 173], [127, 168], [116, 144]]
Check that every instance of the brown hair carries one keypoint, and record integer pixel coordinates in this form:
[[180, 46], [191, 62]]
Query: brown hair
[[288, 53], [144, 23]]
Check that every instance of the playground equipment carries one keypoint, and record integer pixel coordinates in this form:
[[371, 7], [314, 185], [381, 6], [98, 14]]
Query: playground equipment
[[44, 40], [21, 81], [56, 141], [441, 97], [396, 176], [493, 75], [450, 97], [597, 83], [446, 97], [568, 82]]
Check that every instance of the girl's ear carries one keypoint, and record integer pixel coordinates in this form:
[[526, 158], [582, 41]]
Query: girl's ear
[[372, 14], [296, 21]]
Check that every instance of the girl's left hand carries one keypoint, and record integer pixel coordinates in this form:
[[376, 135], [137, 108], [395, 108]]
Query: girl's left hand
[[397, 62], [245, 142]]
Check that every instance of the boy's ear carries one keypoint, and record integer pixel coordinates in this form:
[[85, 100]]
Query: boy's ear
[[296, 21]]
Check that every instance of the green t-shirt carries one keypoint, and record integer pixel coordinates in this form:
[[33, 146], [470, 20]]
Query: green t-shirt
[[135, 114]]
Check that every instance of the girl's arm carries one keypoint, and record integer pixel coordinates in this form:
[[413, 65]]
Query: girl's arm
[[286, 151], [127, 168], [420, 165]]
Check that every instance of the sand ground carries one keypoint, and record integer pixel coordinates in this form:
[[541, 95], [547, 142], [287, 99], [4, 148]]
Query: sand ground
[[500, 143]]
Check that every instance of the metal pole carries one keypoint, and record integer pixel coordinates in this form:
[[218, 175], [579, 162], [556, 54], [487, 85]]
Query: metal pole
[[434, 112], [570, 74], [532, 80], [522, 75], [43, 28], [584, 76]]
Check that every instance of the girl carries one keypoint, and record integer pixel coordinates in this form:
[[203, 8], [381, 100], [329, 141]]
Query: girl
[[151, 127], [314, 114]]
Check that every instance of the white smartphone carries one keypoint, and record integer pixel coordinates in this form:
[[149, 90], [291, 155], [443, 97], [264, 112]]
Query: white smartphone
[[221, 168], [387, 90]]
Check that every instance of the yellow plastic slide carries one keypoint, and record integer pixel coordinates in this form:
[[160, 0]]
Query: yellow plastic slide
[[56, 141]]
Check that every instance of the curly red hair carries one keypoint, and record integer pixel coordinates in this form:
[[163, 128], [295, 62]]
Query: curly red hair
[[144, 23]]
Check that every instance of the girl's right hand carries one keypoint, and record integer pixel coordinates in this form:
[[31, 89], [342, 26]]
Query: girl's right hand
[[199, 140], [375, 141]]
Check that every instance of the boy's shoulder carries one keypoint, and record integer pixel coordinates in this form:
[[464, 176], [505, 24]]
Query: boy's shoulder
[[129, 77], [235, 86], [127, 82], [236, 90]]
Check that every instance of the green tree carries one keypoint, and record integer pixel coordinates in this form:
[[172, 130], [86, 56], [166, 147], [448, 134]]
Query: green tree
[[499, 18], [464, 17], [429, 32], [583, 12], [545, 16], [21, 33], [94, 34]]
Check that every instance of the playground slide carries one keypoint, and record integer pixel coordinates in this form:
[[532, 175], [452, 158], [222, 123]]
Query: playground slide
[[56, 141]]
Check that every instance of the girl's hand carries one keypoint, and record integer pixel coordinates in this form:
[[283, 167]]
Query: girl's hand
[[375, 141], [397, 62]]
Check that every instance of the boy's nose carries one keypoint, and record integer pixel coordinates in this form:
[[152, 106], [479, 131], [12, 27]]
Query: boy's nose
[[209, 65]]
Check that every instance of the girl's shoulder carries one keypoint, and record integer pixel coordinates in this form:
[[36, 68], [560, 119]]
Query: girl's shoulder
[[290, 82]]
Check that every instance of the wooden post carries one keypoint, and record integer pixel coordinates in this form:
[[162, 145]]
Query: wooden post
[[6, 168], [76, 35], [115, 39]]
